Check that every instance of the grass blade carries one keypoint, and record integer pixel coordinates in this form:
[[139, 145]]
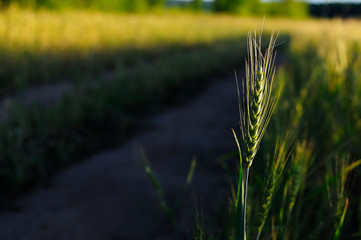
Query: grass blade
[[156, 184], [240, 231], [339, 227]]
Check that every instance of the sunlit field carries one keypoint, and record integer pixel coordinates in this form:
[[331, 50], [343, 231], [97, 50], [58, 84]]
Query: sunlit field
[[43, 47], [127, 66]]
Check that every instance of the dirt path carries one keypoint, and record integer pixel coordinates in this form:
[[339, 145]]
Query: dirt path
[[108, 195], [51, 93]]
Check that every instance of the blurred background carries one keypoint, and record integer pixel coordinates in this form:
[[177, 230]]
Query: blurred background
[[104, 104]]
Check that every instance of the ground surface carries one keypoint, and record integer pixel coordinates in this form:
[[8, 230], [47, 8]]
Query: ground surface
[[108, 195]]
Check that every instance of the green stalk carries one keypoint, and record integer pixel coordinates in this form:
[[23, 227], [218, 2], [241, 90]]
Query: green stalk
[[342, 219], [240, 227], [245, 203], [256, 105]]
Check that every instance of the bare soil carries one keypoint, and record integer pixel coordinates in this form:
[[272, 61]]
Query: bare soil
[[108, 195]]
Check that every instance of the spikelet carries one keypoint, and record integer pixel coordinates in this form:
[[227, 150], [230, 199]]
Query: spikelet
[[256, 103]]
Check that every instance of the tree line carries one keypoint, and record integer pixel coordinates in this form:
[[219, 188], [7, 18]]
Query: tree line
[[292, 8], [234, 6], [111, 5]]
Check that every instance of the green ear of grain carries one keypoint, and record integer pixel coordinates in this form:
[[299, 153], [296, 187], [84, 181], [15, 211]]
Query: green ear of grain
[[256, 102], [298, 167], [240, 231], [274, 177]]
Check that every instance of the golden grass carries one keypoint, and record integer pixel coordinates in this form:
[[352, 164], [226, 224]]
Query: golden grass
[[82, 30], [40, 47]]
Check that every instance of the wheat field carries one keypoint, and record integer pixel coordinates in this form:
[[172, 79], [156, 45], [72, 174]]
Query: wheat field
[[309, 157]]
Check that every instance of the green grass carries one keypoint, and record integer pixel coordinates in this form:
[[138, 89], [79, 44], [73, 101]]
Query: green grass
[[315, 194], [61, 132]]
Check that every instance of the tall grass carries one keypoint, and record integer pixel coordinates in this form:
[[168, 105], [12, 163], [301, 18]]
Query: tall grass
[[310, 185], [320, 110], [256, 105], [100, 116]]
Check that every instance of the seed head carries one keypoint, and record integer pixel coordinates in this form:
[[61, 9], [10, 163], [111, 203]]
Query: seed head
[[256, 101]]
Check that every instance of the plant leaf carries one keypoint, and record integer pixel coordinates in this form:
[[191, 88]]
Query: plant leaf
[[240, 196]]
